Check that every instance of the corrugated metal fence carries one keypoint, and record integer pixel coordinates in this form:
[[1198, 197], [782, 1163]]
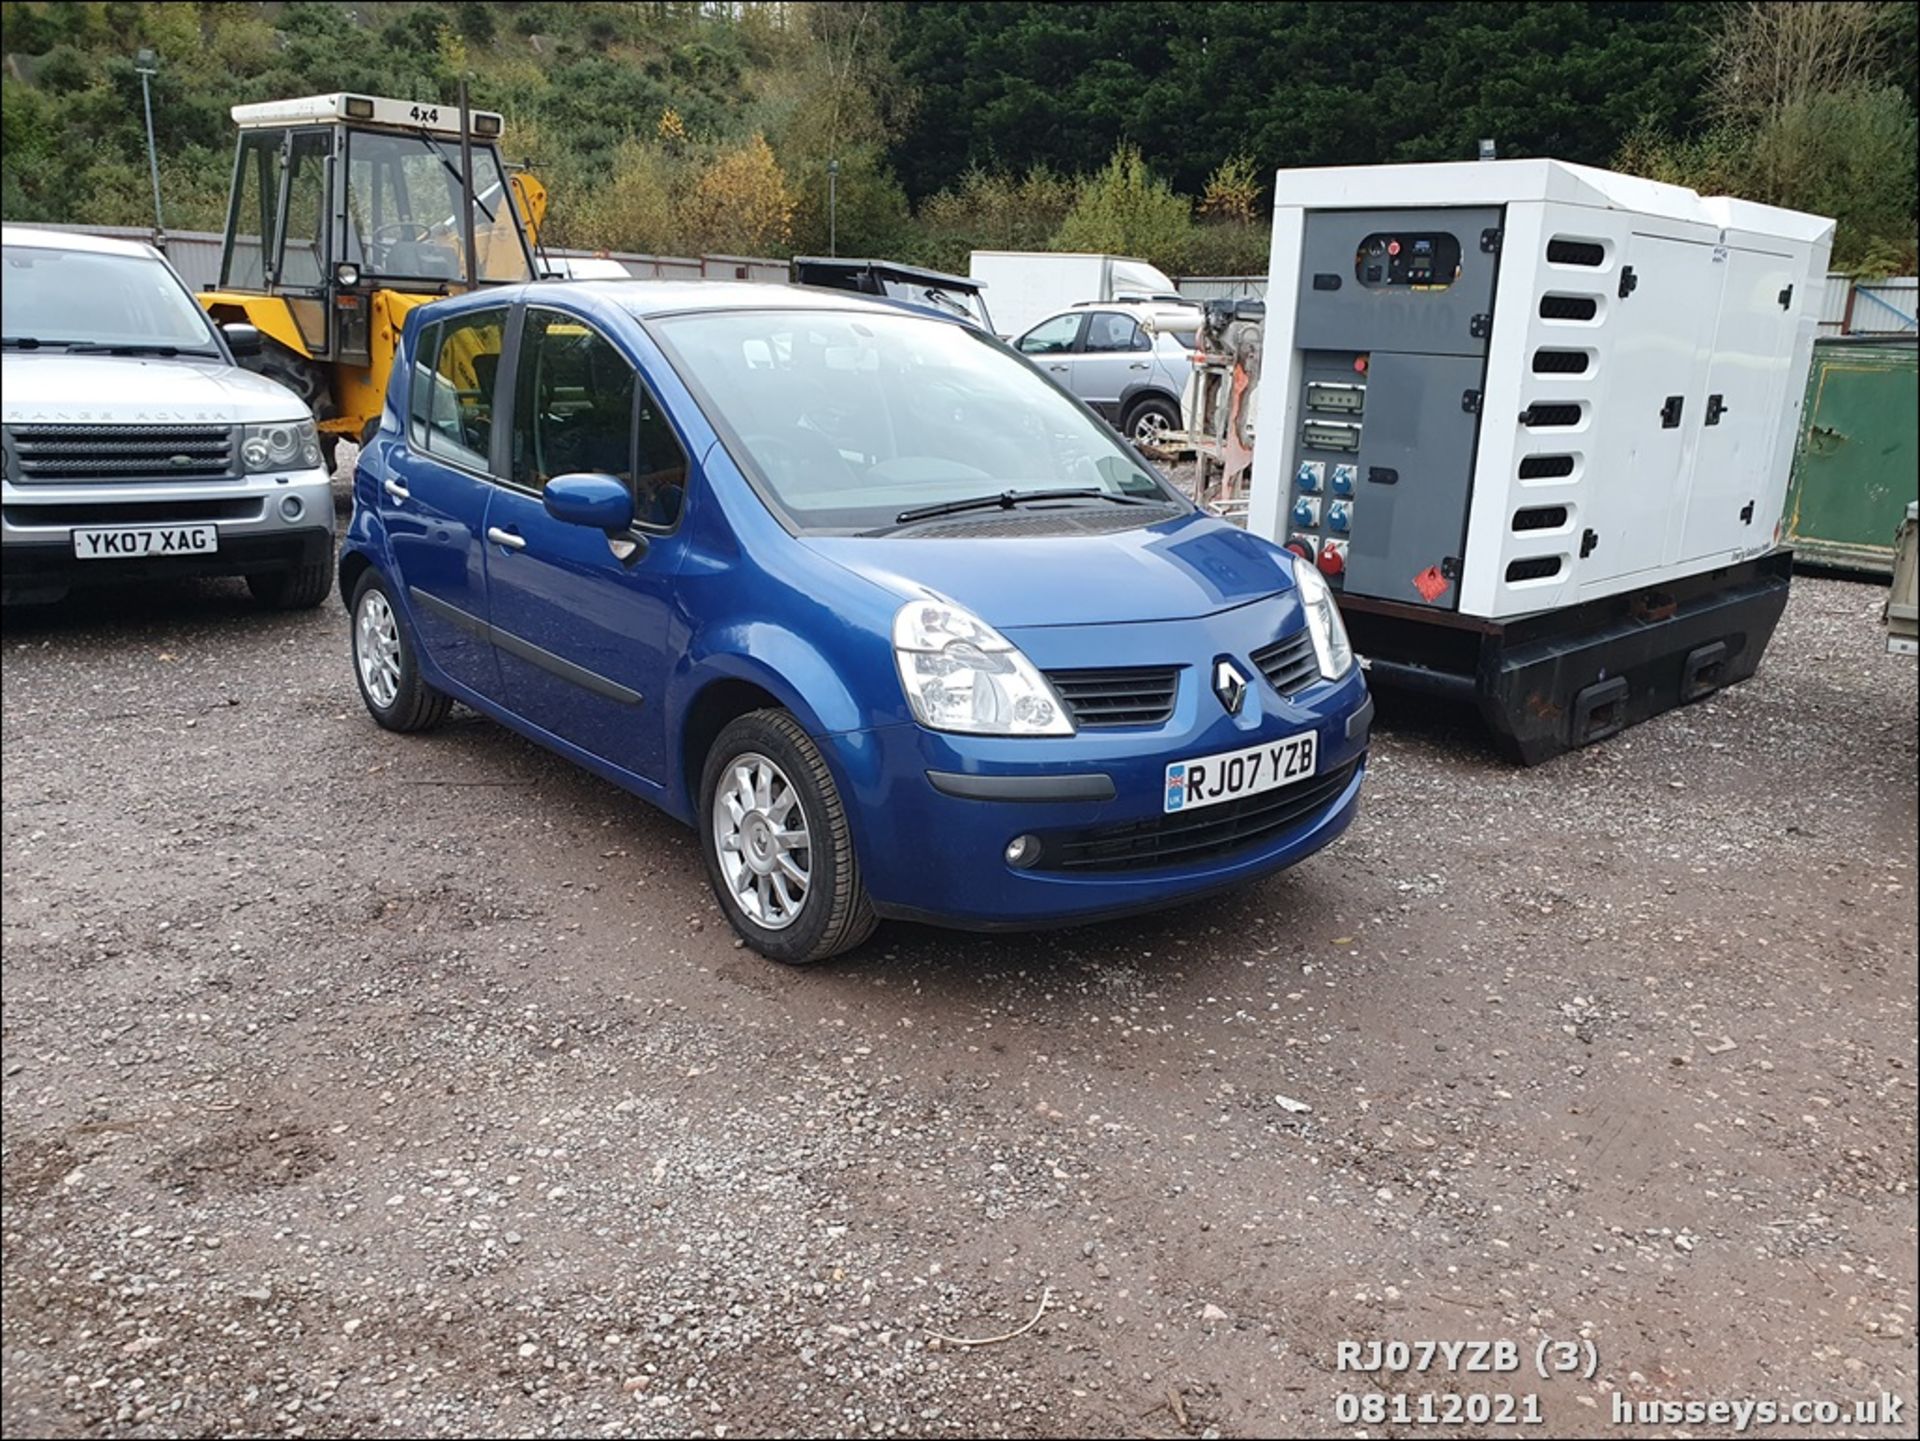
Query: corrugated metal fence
[[1222, 287], [196, 255], [1870, 307], [1849, 307]]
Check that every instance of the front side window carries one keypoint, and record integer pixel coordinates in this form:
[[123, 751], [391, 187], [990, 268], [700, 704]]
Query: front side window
[[581, 407], [848, 419], [1051, 337], [303, 260], [455, 419], [403, 211], [77, 299]]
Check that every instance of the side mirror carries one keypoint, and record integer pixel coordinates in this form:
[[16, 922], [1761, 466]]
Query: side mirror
[[242, 340], [587, 499]]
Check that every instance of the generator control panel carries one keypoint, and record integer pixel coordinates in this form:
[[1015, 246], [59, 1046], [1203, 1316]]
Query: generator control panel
[[1426, 260], [1388, 373]]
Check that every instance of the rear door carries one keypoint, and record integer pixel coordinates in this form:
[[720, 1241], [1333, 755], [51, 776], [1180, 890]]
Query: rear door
[[580, 617], [434, 499], [1740, 407], [1639, 443], [1115, 355]]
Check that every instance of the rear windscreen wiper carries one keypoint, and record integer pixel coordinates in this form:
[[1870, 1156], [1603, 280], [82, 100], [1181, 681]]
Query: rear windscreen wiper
[[1008, 499]]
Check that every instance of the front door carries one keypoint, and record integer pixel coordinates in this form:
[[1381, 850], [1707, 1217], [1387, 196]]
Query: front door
[[438, 485], [581, 618], [1050, 345]]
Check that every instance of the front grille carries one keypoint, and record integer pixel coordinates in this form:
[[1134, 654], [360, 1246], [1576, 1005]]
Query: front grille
[[1289, 664], [135, 512], [51, 453], [1187, 837], [1141, 696]]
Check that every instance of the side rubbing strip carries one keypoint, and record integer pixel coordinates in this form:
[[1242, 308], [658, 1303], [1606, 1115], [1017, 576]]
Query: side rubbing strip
[[526, 650]]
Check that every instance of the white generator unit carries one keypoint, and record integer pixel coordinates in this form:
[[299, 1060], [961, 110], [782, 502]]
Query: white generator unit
[[1534, 421]]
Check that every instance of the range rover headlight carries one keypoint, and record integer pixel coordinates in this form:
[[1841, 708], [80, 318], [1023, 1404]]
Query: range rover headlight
[[1329, 632], [283, 445], [960, 674]]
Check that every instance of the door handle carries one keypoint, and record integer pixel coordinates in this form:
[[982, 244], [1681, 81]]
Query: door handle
[[1058, 369], [1138, 365], [398, 491], [506, 538]]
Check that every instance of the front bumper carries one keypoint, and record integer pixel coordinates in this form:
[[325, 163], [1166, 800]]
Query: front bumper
[[934, 813], [265, 523]]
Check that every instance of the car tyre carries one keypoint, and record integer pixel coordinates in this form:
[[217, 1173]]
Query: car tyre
[[768, 757], [384, 664], [298, 587], [1149, 419]]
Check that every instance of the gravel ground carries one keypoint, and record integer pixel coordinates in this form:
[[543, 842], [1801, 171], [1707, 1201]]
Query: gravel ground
[[361, 1084]]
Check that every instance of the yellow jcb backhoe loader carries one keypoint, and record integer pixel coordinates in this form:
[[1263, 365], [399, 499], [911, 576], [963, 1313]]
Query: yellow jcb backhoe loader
[[347, 211]]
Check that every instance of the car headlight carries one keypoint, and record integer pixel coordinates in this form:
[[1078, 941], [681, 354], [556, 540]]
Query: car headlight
[[960, 674], [283, 445], [1329, 632]]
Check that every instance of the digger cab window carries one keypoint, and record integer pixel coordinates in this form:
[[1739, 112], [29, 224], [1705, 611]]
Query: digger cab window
[[403, 199]]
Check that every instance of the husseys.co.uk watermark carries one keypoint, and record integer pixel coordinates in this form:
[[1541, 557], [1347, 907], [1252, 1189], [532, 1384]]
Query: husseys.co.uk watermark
[[1549, 1360]]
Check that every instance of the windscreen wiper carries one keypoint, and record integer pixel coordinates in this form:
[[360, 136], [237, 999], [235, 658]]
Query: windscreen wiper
[[25, 342], [1008, 499], [131, 347], [455, 172]]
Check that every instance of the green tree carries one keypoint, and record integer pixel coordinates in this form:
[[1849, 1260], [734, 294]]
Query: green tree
[[1127, 210]]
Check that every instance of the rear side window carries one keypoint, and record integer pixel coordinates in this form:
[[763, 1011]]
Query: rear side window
[[1107, 331], [456, 367]]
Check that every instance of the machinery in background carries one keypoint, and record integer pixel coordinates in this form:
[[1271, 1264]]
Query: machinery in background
[[1903, 600], [1533, 422], [346, 212], [1220, 405], [930, 289]]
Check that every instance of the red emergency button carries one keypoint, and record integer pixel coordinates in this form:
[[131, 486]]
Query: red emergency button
[[1360, 364], [1393, 247]]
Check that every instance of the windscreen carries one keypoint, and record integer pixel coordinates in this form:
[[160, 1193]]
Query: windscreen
[[75, 297], [403, 211], [849, 419]]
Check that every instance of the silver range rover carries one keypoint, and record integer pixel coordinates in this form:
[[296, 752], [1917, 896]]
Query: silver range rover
[[136, 447]]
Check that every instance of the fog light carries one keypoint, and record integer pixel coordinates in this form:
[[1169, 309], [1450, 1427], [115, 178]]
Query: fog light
[[292, 507], [1023, 851]]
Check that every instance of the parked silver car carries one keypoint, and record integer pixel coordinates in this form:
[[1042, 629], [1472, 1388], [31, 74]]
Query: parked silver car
[[136, 448], [1134, 374]]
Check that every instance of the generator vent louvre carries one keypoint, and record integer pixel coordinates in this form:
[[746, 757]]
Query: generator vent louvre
[[1560, 362], [1539, 517], [1538, 416], [1569, 307], [1533, 568], [1562, 251], [1545, 467]]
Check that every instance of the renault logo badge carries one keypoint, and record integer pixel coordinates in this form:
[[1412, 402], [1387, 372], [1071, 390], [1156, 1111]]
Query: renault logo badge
[[1229, 685]]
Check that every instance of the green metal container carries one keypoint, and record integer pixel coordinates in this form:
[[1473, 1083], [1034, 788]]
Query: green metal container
[[1854, 468]]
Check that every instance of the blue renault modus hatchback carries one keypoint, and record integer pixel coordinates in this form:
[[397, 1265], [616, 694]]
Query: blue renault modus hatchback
[[899, 627]]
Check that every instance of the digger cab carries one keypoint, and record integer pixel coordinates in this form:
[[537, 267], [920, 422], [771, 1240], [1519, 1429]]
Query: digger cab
[[344, 204]]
